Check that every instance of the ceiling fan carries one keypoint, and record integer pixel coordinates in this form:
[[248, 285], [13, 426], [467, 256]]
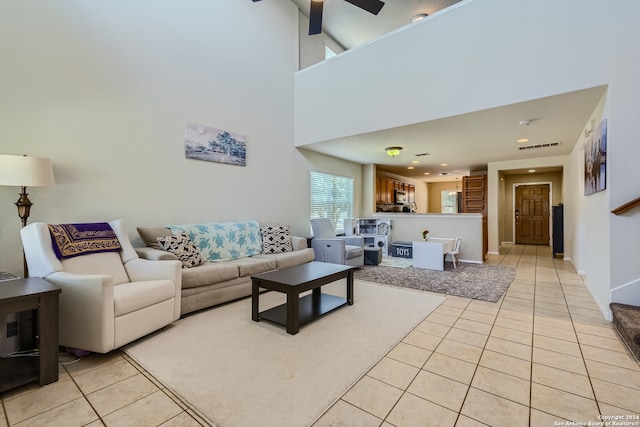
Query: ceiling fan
[[315, 14]]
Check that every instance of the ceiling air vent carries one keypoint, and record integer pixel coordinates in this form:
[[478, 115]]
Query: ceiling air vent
[[532, 146]]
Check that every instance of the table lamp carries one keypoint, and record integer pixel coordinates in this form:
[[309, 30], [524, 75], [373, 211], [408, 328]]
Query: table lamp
[[24, 171]]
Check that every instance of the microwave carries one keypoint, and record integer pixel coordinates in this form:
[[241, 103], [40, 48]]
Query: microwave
[[400, 197]]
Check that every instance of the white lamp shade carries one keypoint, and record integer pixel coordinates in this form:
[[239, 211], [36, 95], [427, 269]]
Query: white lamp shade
[[24, 171]]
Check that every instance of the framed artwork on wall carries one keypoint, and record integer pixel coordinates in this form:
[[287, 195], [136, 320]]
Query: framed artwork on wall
[[595, 160], [214, 145]]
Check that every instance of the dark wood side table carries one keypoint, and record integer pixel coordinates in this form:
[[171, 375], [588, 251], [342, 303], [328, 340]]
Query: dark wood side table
[[32, 294]]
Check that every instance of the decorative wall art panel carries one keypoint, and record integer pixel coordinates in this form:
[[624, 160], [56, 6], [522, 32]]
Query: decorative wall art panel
[[214, 145], [595, 160]]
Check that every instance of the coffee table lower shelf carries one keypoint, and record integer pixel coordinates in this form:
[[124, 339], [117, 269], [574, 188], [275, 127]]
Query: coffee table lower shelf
[[311, 307]]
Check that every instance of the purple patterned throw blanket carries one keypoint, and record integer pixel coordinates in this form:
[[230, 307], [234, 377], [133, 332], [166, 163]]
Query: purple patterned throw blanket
[[71, 240]]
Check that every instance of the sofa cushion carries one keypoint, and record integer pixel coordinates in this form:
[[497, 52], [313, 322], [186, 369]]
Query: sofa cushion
[[254, 265], [290, 259], [353, 251], [134, 296], [183, 248], [208, 274], [275, 239], [221, 241], [149, 235]]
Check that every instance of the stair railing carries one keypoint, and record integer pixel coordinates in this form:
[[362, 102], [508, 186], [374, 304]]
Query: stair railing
[[629, 205]]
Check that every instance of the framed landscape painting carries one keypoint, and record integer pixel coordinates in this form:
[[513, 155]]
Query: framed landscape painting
[[595, 160], [214, 145]]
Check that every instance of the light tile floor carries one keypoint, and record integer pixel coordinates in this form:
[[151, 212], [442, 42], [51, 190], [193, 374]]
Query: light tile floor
[[542, 355]]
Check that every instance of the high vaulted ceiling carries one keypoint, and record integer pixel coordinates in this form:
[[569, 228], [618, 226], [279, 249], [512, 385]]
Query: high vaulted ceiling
[[351, 26], [464, 143]]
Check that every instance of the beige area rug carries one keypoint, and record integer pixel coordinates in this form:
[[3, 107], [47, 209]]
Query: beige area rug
[[237, 372]]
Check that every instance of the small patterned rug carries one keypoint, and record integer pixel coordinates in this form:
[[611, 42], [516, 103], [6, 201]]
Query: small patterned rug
[[396, 262], [476, 281]]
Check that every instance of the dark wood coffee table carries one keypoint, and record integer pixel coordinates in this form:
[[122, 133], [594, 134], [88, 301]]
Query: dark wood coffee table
[[293, 281]]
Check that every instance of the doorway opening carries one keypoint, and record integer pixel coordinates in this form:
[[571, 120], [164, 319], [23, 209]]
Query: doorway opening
[[532, 214]]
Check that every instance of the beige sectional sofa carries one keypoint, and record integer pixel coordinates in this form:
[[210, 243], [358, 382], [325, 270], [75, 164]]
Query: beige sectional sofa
[[225, 274]]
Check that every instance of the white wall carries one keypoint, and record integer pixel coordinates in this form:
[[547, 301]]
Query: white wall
[[490, 53], [406, 227], [104, 89], [312, 48]]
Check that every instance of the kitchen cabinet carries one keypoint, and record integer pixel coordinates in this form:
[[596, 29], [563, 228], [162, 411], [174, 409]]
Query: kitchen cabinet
[[474, 200], [385, 190]]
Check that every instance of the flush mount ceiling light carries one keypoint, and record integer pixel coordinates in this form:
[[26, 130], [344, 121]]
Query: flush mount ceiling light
[[393, 151], [419, 17]]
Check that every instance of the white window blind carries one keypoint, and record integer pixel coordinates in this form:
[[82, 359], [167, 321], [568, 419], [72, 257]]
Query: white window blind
[[449, 201], [331, 197]]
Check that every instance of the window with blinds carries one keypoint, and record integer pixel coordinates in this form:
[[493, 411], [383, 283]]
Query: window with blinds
[[331, 197]]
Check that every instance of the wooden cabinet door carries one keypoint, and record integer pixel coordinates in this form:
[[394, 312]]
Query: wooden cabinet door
[[391, 186], [379, 190]]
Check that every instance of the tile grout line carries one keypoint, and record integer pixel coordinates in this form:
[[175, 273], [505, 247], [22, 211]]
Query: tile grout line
[[573, 327]]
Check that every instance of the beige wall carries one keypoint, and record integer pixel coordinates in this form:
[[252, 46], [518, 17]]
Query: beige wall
[[103, 89], [435, 190], [509, 182]]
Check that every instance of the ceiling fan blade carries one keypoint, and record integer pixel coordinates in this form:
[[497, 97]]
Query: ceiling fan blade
[[255, 0], [315, 17], [371, 6]]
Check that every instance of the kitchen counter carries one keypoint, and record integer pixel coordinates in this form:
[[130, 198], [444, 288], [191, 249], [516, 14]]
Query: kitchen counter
[[406, 226]]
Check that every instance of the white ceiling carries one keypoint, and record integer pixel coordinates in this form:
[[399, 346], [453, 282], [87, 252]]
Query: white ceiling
[[466, 143]]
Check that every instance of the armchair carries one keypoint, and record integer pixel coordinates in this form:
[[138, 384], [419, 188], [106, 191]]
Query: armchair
[[108, 299], [328, 247]]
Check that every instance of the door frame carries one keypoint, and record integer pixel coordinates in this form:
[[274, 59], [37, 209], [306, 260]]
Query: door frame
[[513, 207]]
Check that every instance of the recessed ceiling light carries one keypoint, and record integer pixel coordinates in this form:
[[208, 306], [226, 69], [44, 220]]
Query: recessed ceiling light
[[427, 173], [410, 167], [521, 140], [415, 161], [444, 164], [531, 170]]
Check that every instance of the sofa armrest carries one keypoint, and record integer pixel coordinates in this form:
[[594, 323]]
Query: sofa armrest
[[141, 269], [329, 250], [298, 243], [155, 254], [353, 240], [86, 310]]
